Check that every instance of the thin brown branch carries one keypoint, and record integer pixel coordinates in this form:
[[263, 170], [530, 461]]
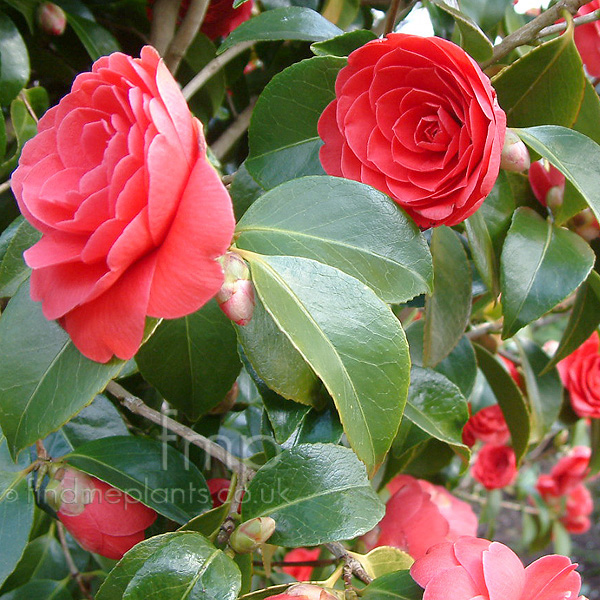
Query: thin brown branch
[[25, 100], [42, 453], [185, 34], [483, 329], [137, 406], [342, 554], [326, 562], [73, 570], [230, 521], [391, 16], [233, 133], [558, 27], [4, 187], [164, 22], [522, 508], [529, 32]]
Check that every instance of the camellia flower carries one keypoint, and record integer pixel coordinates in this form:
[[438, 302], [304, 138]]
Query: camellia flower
[[587, 39], [547, 183], [580, 374], [101, 518], [419, 515], [132, 213], [219, 490], [304, 572], [579, 506], [495, 466], [417, 119], [487, 425], [477, 569]]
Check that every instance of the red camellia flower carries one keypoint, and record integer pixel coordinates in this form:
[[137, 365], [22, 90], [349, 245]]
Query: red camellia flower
[[487, 425], [417, 119], [221, 18], [219, 490], [132, 214], [571, 469], [477, 569], [579, 506], [304, 572], [587, 40], [419, 515], [580, 374], [495, 466], [546, 179], [101, 518]]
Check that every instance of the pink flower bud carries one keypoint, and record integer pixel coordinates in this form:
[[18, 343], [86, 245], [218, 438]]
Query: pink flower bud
[[304, 591], [51, 18], [515, 156], [547, 183], [249, 536], [236, 296]]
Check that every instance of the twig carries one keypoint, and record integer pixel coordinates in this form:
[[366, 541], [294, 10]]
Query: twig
[[484, 328], [4, 187], [185, 34], [504, 503], [391, 15], [342, 554], [213, 67], [42, 453], [229, 523], [531, 30], [25, 100], [231, 135], [558, 27], [73, 570], [299, 563], [164, 21], [137, 406]]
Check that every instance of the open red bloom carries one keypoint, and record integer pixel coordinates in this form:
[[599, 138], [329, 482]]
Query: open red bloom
[[487, 425], [587, 39], [101, 518], [495, 466], [132, 213], [221, 18], [417, 119]]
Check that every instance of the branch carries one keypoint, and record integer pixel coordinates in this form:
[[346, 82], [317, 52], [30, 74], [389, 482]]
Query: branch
[[230, 521], [4, 187], [484, 328], [73, 570], [164, 21], [531, 30], [558, 27], [185, 34], [137, 406], [342, 554], [222, 146], [522, 508], [213, 67]]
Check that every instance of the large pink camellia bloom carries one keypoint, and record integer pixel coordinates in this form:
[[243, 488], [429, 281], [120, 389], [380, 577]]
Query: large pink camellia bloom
[[477, 569], [587, 39], [417, 119], [132, 214]]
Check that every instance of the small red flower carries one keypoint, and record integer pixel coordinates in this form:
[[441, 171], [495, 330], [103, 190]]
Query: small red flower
[[495, 466], [546, 179], [221, 18], [219, 489], [487, 425]]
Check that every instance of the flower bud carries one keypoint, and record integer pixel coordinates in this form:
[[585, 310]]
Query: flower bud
[[515, 156], [51, 18], [236, 296], [554, 197], [304, 591], [249, 536], [586, 225]]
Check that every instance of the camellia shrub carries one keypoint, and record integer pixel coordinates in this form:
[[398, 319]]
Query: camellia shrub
[[298, 303]]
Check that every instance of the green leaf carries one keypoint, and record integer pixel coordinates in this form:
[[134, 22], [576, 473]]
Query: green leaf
[[14, 61], [583, 320], [243, 191], [399, 585], [447, 310], [595, 446], [324, 218], [438, 407], [319, 426], [192, 361], [26, 8], [152, 472], [540, 266], [174, 566], [42, 589], [95, 39], [383, 560], [482, 251], [283, 139], [13, 270], [487, 13], [576, 156], [497, 211], [44, 379], [509, 397], [349, 337], [285, 416], [544, 391], [208, 523], [527, 89], [316, 493], [344, 44], [289, 23], [2, 136], [341, 12], [588, 118], [473, 39]]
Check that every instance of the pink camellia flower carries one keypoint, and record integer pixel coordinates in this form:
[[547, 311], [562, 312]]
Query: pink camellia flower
[[580, 374], [587, 39], [417, 119], [571, 469], [495, 466], [304, 572], [304, 591], [51, 18], [477, 569], [579, 506], [103, 519], [132, 213], [419, 515], [547, 183], [487, 425]]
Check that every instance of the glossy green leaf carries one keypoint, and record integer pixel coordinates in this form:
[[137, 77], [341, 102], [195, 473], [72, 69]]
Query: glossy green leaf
[[588, 118], [341, 12], [319, 426], [383, 560], [540, 266], [14, 61], [243, 191], [208, 523], [447, 310], [96, 40], [343, 44], [42, 589], [289, 23], [482, 251], [155, 474], [324, 218], [583, 320], [438, 407], [192, 361], [576, 156], [13, 270], [285, 416], [528, 90], [487, 13], [544, 391], [26, 8], [316, 493], [399, 585], [283, 139], [44, 379], [497, 211], [350, 338], [473, 39], [174, 566], [511, 401]]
